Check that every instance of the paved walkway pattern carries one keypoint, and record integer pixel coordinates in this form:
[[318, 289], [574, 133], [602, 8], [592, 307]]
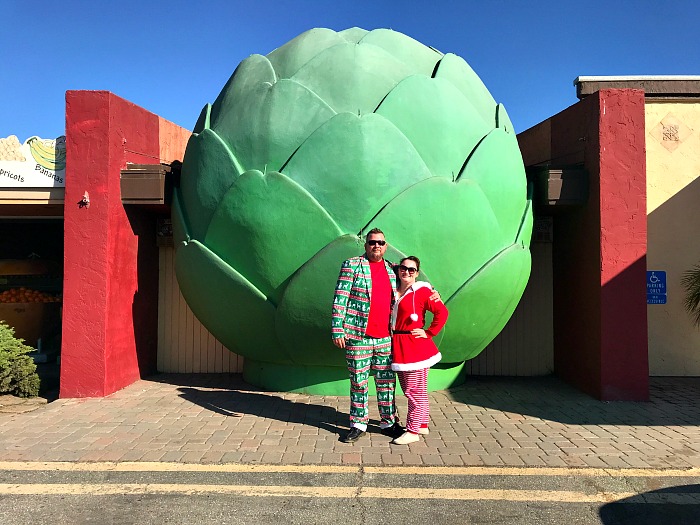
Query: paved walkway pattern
[[506, 422]]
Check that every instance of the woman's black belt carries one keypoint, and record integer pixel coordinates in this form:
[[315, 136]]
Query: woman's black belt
[[402, 332]]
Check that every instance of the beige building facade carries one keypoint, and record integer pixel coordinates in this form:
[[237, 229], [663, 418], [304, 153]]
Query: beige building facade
[[672, 139], [673, 215]]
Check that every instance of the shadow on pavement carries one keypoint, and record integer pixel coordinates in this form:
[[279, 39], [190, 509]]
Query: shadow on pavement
[[236, 400], [673, 401], [678, 505]]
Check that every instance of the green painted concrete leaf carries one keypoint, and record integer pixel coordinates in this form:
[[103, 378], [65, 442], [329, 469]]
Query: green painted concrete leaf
[[180, 224], [358, 90], [503, 120], [208, 170], [287, 59], [525, 234], [234, 310], [479, 310], [420, 58], [463, 77], [266, 227], [353, 34], [304, 314], [269, 122], [203, 122], [349, 153], [449, 226], [441, 124], [497, 167], [252, 72]]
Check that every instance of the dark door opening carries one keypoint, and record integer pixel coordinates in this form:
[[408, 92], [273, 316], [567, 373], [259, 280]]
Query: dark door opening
[[31, 288]]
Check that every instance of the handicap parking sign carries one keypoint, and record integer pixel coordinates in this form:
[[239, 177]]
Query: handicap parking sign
[[656, 287]]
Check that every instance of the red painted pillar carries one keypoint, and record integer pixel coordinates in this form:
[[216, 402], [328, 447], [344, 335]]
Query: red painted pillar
[[624, 356], [599, 250], [106, 297]]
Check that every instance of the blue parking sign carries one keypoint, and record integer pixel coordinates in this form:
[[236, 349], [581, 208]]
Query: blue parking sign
[[656, 287]]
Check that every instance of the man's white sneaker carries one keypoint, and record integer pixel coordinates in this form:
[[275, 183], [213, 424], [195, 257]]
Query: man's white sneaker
[[406, 438]]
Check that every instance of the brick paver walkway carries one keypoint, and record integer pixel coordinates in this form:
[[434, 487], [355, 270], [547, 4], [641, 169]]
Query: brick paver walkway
[[487, 421]]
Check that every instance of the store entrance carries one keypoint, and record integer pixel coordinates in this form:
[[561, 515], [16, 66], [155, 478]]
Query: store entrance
[[31, 288]]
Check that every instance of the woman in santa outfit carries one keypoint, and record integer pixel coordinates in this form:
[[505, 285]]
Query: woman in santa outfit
[[413, 350]]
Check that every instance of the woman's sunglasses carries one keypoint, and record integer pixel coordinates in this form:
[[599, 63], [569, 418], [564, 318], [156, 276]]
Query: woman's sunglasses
[[410, 269]]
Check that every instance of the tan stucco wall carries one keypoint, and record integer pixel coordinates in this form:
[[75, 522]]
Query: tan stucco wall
[[173, 140], [673, 210]]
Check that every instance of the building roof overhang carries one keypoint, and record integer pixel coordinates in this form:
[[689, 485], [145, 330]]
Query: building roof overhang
[[654, 86]]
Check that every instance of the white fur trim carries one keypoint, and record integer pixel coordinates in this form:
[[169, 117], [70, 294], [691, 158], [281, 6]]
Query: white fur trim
[[415, 286], [421, 284], [399, 367]]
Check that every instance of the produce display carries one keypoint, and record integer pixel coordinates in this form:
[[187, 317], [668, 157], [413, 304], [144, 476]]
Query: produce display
[[311, 146], [27, 295]]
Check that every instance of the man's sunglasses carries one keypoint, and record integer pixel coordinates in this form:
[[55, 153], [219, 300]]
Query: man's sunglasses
[[373, 242], [410, 269]]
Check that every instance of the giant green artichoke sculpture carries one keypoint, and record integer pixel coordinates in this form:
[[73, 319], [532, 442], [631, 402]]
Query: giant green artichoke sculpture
[[308, 148]]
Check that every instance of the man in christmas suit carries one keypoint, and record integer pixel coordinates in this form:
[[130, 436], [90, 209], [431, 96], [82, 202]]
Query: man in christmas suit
[[364, 295]]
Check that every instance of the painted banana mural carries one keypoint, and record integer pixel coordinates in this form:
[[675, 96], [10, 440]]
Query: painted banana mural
[[51, 154]]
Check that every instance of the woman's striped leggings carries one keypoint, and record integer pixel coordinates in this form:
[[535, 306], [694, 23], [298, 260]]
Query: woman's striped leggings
[[414, 384]]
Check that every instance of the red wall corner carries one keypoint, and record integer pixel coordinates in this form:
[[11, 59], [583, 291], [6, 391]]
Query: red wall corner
[[110, 258], [599, 250]]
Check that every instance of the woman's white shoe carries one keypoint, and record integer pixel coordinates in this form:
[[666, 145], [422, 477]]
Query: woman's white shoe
[[424, 431], [406, 438]]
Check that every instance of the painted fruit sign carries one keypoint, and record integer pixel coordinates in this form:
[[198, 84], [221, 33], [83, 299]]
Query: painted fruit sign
[[36, 163]]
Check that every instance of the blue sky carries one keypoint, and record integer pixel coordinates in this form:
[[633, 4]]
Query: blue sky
[[173, 57]]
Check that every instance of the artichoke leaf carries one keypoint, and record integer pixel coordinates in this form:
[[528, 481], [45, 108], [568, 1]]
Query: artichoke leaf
[[418, 57], [442, 125], [208, 170], [287, 59], [179, 220], [359, 89], [204, 120], [503, 120], [350, 152], [525, 233], [497, 167], [236, 313], [252, 72], [266, 227], [353, 34], [483, 304], [269, 122], [455, 69], [449, 226]]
